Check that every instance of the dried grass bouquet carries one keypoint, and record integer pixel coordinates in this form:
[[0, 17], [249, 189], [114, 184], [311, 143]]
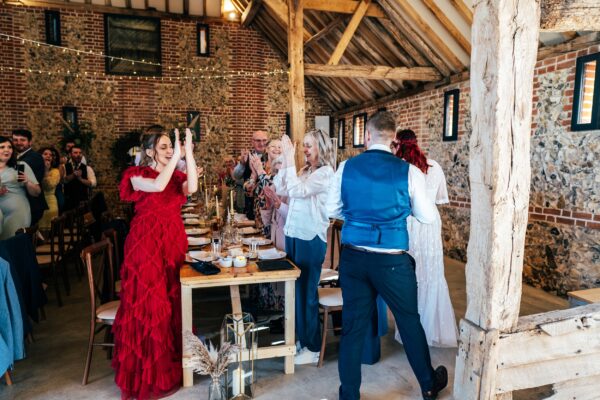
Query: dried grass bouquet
[[206, 360]]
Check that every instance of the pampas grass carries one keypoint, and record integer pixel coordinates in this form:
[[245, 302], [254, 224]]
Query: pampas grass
[[207, 360]]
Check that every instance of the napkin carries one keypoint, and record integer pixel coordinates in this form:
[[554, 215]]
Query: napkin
[[270, 253]]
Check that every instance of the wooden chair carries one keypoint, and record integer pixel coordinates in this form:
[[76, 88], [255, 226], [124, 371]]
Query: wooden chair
[[112, 235], [97, 257], [51, 256], [330, 300], [329, 276]]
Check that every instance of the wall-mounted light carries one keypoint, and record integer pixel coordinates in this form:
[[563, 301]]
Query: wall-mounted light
[[228, 11]]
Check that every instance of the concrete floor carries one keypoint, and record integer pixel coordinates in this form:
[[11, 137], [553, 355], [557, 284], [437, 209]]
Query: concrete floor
[[55, 362]]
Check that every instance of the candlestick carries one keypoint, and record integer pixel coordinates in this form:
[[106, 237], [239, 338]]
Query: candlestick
[[206, 200], [231, 201]]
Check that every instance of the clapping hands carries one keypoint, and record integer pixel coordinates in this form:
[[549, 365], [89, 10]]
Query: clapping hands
[[256, 164], [288, 151]]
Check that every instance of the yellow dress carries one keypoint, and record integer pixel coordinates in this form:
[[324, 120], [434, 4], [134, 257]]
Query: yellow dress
[[49, 183]]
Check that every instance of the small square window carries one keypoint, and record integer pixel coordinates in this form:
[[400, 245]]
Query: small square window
[[203, 40], [132, 38], [53, 27], [450, 115], [359, 123], [586, 101]]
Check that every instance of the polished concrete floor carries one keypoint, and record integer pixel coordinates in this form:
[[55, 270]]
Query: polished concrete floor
[[54, 365]]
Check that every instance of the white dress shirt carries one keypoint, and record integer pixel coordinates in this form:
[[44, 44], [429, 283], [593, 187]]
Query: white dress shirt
[[423, 209], [307, 208]]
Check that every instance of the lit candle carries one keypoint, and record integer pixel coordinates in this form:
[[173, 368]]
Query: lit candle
[[238, 381], [217, 206]]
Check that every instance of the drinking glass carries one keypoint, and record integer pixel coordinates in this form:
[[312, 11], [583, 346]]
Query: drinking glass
[[253, 253], [216, 247]]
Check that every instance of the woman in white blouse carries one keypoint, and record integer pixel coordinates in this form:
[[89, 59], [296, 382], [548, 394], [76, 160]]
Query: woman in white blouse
[[306, 230]]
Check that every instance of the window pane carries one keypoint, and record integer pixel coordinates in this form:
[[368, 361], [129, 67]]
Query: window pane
[[449, 116], [359, 131], [586, 99]]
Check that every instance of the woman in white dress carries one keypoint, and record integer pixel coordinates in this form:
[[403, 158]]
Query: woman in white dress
[[425, 244]]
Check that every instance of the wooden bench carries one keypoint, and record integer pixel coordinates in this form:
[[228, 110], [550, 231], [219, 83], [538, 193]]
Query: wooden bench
[[582, 297]]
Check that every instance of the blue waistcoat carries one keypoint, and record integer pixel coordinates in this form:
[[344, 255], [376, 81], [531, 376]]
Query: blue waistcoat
[[375, 201]]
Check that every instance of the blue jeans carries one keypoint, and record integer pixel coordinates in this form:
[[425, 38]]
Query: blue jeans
[[308, 255], [363, 276]]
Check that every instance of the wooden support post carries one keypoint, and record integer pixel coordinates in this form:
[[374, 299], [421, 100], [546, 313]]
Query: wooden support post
[[349, 32], [186, 325], [296, 61], [505, 39]]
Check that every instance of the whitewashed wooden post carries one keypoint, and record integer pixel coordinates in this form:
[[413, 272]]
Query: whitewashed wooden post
[[505, 40]]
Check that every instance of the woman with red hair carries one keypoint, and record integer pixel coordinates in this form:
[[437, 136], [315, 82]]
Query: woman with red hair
[[425, 244]]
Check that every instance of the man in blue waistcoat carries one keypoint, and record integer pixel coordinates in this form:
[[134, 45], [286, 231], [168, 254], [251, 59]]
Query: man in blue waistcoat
[[374, 193]]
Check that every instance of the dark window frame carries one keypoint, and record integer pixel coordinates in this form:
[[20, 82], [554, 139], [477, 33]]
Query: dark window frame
[[206, 29], [354, 118], [52, 33], [108, 69], [595, 120], [455, 94], [341, 139], [69, 114], [196, 128]]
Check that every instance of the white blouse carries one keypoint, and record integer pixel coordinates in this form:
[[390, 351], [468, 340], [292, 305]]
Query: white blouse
[[307, 209]]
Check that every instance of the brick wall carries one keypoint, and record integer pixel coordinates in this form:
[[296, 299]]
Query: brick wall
[[134, 103]]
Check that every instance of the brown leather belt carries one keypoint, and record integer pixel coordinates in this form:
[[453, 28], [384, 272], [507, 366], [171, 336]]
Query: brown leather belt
[[363, 250]]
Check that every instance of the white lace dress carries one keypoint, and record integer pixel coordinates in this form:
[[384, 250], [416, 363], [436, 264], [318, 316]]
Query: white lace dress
[[425, 241]]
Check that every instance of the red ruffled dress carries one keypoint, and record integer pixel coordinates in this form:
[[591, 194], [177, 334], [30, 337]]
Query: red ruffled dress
[[147, 328]]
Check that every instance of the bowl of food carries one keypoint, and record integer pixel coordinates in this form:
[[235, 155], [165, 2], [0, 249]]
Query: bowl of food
[[240, 261], [226, 262]]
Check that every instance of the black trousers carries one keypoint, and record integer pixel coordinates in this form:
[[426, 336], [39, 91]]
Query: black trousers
[[362, 277]]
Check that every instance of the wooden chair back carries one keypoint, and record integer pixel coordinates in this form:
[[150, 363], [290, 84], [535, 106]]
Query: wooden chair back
[[98, 260]]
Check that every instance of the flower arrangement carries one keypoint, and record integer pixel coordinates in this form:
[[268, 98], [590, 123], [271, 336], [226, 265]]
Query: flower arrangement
[[207, 360]]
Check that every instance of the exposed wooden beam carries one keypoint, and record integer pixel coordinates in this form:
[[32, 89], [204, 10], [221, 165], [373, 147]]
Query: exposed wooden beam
[[374, 32], [128, 4], [323, 32], [349, 32], [250, 12], [186, 7], [505, 36], [570, 15], [343, 7], [167, 6], [400, 23], [578, 43], [465, 11], [447, 55], [449, 25], [296, 76], [423, 74], [404, 43]]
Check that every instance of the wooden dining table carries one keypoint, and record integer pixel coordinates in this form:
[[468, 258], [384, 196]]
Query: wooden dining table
[[234, 277]]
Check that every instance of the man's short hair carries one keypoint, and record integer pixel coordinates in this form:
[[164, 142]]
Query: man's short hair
[[75, 146], [382, 123], [22, 132]]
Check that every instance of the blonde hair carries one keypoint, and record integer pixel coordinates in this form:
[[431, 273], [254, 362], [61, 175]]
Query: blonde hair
[[324, 146]]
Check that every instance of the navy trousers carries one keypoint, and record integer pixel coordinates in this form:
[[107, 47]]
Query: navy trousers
[[308, 255], [362, 277]]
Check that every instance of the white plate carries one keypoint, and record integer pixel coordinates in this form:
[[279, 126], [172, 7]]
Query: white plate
[[187, 209], [199, 255], [190, 215], [192, 204], [271, 254], [249, 231], [196, 231], [198, 241], [259, 240], [191, 221]]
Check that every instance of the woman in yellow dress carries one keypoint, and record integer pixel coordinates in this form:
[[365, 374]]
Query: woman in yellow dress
[[51, 179]]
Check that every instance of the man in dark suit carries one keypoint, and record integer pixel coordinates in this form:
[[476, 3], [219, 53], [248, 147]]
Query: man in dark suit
[[22, 140], [374, 193]]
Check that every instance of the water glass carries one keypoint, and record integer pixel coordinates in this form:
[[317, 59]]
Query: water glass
[[253, 253], [216, 247]]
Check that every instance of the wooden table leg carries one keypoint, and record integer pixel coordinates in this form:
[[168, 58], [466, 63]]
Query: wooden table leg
[[236, 303], [186, 325], [290, 323]]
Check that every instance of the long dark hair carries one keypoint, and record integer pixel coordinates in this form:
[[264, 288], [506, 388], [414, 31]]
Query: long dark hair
[[408, 149], [12, 161], [55, 156]]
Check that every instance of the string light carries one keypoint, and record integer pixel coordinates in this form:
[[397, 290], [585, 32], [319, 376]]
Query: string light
[[237, 74]]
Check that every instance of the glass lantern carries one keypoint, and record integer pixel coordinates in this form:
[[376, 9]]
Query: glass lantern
[[240, 329]]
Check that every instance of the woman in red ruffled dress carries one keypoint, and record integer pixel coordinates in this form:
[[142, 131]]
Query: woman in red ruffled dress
[[147, 328]]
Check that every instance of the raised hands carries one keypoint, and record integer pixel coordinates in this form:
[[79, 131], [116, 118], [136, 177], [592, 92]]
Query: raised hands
[[256, 164], [176, 146], [271, 196], [189, 141], [288, 150]]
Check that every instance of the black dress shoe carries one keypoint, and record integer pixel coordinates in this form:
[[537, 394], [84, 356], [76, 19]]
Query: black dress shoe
[[440, 381]]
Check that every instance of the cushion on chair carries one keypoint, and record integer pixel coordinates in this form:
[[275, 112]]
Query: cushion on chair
[[330, 297], [328, 274], [43, 258], [108, 311]]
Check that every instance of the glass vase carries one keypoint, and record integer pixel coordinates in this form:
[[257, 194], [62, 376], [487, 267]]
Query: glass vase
[[216, 391]]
